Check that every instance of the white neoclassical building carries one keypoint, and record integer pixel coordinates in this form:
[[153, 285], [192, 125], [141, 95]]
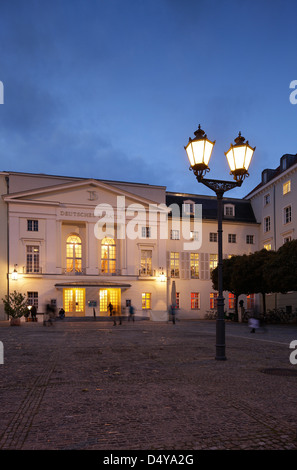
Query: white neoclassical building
[[81, 243]]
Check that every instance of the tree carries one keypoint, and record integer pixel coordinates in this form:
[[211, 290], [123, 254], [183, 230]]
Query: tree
[[15, 304], [281, 270], [232, 279], [255, 276]]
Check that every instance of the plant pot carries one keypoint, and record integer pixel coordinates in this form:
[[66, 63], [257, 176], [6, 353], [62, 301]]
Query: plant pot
[[15, 322]]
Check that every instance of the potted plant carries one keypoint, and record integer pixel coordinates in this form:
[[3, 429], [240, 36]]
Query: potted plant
[[15, 306]]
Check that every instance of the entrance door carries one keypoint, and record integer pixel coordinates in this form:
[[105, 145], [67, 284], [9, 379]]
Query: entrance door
[[109, 295], [74, 302]]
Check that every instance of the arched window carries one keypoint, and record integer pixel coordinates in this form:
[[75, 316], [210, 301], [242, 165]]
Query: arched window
[[73, 254], [108, 256]]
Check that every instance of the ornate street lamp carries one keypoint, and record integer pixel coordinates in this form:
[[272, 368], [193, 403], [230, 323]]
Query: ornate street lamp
[[239, 158]]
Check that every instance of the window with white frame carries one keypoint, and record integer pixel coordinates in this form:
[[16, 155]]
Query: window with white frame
[[174, 234], [231, 237], [286, 187], [108, 256], [146, 263], [250, 239], [266, 199], [194, 264], [73, 254], [229, 210], [287, 238], [213, 261], [267, 224], [174, 264], [213, 300], [287, 215], [195, 300], [146, 300], [213, 237], [189, 207], [250, 301], [32, 259], [231, 301], [32, 225], [146, 232], [32, 299]]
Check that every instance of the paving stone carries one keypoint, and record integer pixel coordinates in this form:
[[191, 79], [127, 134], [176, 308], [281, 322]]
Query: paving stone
[[89, 386]]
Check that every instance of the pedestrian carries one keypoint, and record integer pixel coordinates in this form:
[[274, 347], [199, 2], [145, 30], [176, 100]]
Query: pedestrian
[[253, 324], [61, 313], [172, 311], [110, 308], [131, 313], [33, 313], [50, 315]]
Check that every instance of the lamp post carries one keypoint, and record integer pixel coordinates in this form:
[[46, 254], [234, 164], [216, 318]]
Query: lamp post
[[239, 157]]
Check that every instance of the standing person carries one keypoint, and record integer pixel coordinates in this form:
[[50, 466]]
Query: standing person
[[173, 314], [131, 313], [33, 313]]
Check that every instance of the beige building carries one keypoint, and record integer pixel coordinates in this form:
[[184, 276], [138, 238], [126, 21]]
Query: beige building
[[274, 205], [82, 243]]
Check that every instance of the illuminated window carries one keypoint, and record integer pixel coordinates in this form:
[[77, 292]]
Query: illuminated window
[[231, 301], [194, 263], [103, 300], [146, 263], [74, 300], [107, 296], [146, 300], [108, 256], [213, 300], [287, 187], [195, 300], [177, 299], [33, 299], [32, 259], [267, 246], [174, 264], [250, 301], [213, 261], [73, 254]]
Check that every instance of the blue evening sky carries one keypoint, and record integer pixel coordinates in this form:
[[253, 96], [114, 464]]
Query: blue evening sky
[[113, 89]]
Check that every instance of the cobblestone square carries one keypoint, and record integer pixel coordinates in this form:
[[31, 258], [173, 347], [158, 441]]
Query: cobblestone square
[[89, 385]]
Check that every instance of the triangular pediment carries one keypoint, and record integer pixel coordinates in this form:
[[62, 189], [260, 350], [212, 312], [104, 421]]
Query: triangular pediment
[[79, 193]]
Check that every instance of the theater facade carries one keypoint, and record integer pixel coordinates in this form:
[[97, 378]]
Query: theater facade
[[80, 244]]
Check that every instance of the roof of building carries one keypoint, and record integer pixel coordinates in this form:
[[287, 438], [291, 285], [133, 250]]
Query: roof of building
[[268, 175], [243, 208]]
